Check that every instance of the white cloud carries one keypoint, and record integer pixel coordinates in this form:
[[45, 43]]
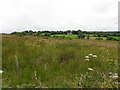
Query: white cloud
[[58, 14]]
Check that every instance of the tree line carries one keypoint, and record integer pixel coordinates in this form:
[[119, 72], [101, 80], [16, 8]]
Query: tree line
[[79, 33]]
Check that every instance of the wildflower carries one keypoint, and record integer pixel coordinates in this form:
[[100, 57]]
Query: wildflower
[[87, 57], [90, 69], [90, 54], [1, 71], [111, 60], [107, 51], [110, 73], [114, 76], [95, 56]]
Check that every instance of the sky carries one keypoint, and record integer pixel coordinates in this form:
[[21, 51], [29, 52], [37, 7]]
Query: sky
[[37, 15]]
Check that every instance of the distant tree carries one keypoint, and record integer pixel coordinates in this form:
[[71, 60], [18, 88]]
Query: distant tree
[[99, 38], [79, 31], [30, 32], [105, 35], [24, 33], [68, 31], [88, 36], [115, 39], [99, 35], [81, 35], [74, 32], [109, 38], [94, 35], [38, 33], [14, 33], [47, 34]]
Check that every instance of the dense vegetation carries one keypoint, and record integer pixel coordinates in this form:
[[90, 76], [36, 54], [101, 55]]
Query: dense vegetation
[[72, 34], [30, 60]]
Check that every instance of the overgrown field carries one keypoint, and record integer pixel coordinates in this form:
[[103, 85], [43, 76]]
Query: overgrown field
[[58, 63]]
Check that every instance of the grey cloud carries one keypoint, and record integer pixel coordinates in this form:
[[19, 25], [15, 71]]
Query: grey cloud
[[57, 15]]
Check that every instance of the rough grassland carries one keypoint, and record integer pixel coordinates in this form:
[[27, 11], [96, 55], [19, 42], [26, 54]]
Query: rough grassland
[[58, 63]]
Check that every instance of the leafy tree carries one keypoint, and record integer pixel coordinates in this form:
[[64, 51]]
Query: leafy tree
[[47, 34], [24, 33], [88, 36], [14, 33], [99, 38], [109, 38], [74, 32], [99, 35], [81, 35], [30, 32], [38, 33], [68, 31]]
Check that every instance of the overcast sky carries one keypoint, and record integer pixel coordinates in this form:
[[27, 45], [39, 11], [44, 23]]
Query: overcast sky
[[21, 15]]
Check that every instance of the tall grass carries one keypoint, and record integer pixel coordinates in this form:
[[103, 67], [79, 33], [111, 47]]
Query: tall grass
[[58, 63]]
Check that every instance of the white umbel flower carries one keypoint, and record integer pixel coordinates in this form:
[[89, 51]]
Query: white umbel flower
[[1, 71], [95, 56], [111, 60], [90, 69], [110, 73], [90, 54], [114, 76], [87, 57]]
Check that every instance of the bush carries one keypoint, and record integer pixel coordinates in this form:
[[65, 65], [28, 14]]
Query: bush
[[98, 38], [109, 38], [81, 35], [47, 34], [88, 36]]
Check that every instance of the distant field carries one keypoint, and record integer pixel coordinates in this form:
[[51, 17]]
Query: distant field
[[65, 35], [74, 36], [58, 63], [116, 37]]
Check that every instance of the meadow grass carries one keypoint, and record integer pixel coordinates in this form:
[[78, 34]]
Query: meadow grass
[[58, 63]]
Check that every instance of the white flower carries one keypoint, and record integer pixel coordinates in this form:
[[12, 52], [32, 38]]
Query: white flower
[[87, 57], [1, 71], [111, 60], [90, 69], [95, 56], [114, 76], [90, 54], [110, 73]]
